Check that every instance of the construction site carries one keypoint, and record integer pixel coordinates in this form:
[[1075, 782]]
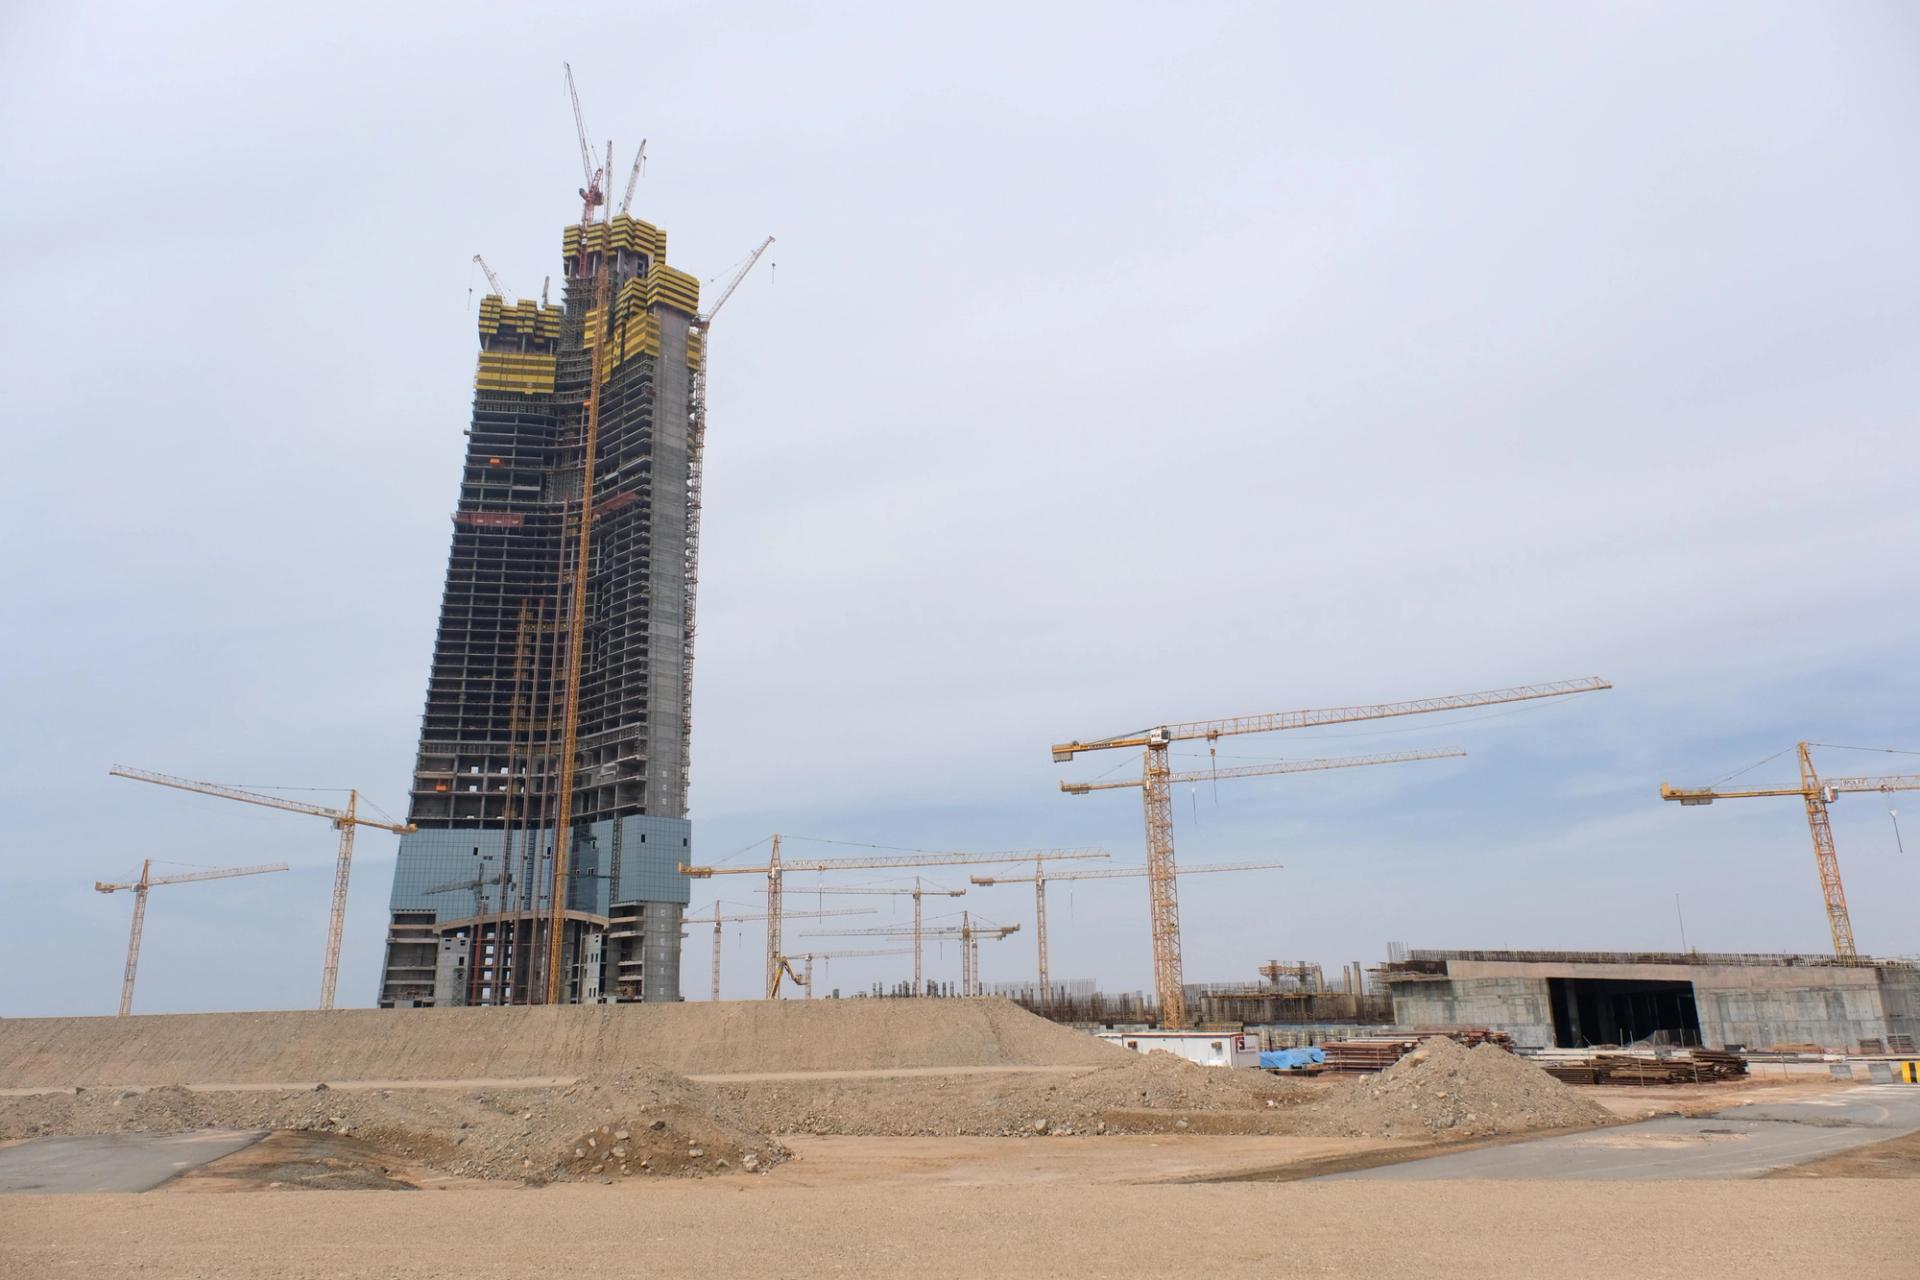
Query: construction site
[[915, 1083]]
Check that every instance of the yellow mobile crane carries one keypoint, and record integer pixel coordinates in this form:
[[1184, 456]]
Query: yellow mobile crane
[[1156, 784]]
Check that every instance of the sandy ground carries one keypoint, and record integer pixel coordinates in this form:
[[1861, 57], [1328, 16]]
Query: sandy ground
[[1896, 1158], [996, 1162], [1863, 1230], [1640, 1102]]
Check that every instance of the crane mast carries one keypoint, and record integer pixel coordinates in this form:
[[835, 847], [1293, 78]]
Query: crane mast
[[1040, 879], [139, 887], [1156, 790], [966, 932], [346, 821], [1815, 795], [917, 893], [717, 920], [775, 871], [602, 277]]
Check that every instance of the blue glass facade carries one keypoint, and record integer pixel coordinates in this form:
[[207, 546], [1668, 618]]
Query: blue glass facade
[[449, 871]]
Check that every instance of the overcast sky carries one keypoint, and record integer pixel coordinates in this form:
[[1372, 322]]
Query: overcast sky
[[1115, 365]]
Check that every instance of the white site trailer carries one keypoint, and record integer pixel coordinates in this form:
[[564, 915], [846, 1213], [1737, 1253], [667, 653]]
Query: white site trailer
[[1208, 1048]]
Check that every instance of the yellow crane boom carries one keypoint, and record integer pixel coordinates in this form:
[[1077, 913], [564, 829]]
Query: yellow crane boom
[[146, 881], [1815, 794], [346, 821], [1309, 765], [775, 871], [1156, 787]]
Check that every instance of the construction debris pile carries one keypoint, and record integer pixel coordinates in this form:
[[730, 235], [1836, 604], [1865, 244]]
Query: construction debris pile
[[1441, 1088], [1445, 1089], [1691, 1066], [639, 1123]]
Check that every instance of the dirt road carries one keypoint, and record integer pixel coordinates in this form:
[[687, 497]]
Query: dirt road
[[1482, 1231]]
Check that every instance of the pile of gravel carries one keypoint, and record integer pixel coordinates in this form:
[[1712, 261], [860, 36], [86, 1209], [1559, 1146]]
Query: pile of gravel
[[1443, 1089], [1134, 1093], [638, 1123]]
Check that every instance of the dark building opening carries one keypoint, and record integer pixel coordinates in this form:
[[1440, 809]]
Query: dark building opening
[[1589, 1011]]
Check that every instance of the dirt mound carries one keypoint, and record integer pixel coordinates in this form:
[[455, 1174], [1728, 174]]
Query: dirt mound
[[1154, 1093], [1442, 1089], [533, 1042], [646, 1122]]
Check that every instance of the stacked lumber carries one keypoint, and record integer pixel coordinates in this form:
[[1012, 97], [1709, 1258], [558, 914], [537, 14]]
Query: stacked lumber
[[1468, 1036], [1695, 1066], [1365, 1056]]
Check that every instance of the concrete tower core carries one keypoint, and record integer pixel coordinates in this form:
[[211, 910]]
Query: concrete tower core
[[471, 898]]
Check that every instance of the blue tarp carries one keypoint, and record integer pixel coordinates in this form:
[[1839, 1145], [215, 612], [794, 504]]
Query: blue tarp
[[1291, 1059]]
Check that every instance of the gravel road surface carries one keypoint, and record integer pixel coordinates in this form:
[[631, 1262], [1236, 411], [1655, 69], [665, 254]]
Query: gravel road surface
[[113, 1161], [1741, 1142]]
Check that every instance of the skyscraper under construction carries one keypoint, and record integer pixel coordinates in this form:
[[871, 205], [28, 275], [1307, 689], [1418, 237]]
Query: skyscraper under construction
[[590, 412]]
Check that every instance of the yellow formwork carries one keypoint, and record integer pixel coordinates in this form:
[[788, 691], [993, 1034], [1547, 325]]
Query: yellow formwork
[[624, 232], [528, 372], [532, 371], [524, 319]]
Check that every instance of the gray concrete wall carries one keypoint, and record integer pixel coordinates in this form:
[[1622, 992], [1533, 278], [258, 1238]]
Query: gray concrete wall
[[1755, 1005], [667, 585], [1768, 1014], [1900, 997], [1518, 1006]]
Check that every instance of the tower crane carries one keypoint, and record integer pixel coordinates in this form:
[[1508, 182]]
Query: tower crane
[[1265, 770], [493, 281], [1815, 793], [696, 484], [146, 881], [775, 869], [478, 886], [968, 933], [808, 957], [345, 821], [601, 269], [1156, 784], [705, 319], [633, 178], [717, 919], [916, 893], [590, 193], [1040, 878]]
